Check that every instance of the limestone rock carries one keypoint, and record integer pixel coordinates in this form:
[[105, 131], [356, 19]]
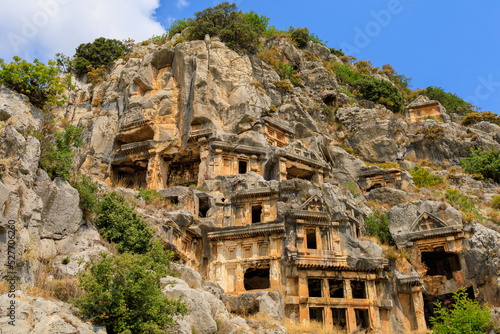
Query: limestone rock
[[40, 316], [389, 196], [16, 109]]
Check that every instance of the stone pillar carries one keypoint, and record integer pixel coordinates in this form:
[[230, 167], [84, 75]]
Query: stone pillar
[[318, 177], [154, 176], [254, 165], [217, 164], [281, 169], [418, 302]]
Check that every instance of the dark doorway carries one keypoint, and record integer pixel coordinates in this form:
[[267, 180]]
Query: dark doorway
[[203, 207], [316, 314], [256, 214], [256, 279], [339, 317], [336, 288], [441, 263], [358, 289], [362, 319], [315, 287], [242, 166], [311, 239]]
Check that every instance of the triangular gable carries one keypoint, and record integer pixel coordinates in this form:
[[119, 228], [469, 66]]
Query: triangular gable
[[426, 222], [419, 100], [314, 203]]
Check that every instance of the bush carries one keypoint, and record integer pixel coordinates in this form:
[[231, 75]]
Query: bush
[[487, 163], [101, 52], [121, 225], [465, 316], [124, 293], [300, 36], [226, 22], [495, 202], [259, 22], [450, 101], [472, 118], [352, 186], [464, 203], [57, 158], [36, 80], [377, 224], [380, 91], [177, 26], [148, 195], [96, 75], [434, 133], [343, 72], [423, 178], [87, 191]]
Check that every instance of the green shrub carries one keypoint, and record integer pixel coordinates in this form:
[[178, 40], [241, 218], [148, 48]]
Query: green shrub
[[124, 292], [495, 202], [300, 36], [423, 178], [121, 225], [487, 163], [259, 22], [36, 80], [286, 71], [148, 195], [225, 21], [472, 118], [57, 158], [88, 198], [434, 133], [464, 203], [177, 26], [63, 63], [380, 91], [377, 225], [101, 52], [338, 53], [450, 101], [465, 316], [345, 75], [352, 186]]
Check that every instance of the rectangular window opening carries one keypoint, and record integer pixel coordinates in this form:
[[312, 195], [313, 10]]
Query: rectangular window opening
[[316, 314], [315, 287], [242, 166], [336, 288], [256, 214], [339, 317], [311, 239], [362, 319], [358, 289]]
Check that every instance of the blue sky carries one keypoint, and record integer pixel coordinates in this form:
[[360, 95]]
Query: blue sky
[[451, 44]]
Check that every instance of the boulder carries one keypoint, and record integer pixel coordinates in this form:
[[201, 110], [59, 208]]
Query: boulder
[[268, 302], [389, 196]]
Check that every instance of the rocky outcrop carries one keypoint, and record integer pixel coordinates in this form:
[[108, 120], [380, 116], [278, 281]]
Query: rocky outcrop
[[37, 316]]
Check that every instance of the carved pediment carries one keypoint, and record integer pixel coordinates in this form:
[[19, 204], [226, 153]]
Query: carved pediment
[[298, 148], [315, 203], [427, 222]]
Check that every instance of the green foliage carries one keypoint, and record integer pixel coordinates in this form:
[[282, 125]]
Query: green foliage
[[121, 225], [472, 118], [450, 101], [65, 261], [63, 63], [465, 316], [177, 26], [259, 22], [337, 52], [351, 186], [345, 75], [401, 81], [224, 20], [88, 198], [434, 133], [300, 36], [423, 178], [36, 80], [486, 163], [286, 71], [57, 158], [148, 195], [377, 224], [495, 202], [464, 203], [124, 293], [101, 52], [380, 91]]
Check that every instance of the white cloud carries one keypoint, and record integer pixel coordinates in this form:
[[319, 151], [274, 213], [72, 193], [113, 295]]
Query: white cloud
[[182, 3], [41, 28]]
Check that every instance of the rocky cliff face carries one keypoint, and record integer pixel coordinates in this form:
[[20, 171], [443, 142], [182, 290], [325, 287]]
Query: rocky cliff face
[[265, 197]]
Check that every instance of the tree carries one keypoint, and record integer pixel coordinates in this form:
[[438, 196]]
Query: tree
[[380, 91], [487, 163], [124, 293], [57, 157], [100, 52], [450, 101], [229, 24], [121, 225], [465, 316], [377, 224], [300, 36], [36, 80]]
